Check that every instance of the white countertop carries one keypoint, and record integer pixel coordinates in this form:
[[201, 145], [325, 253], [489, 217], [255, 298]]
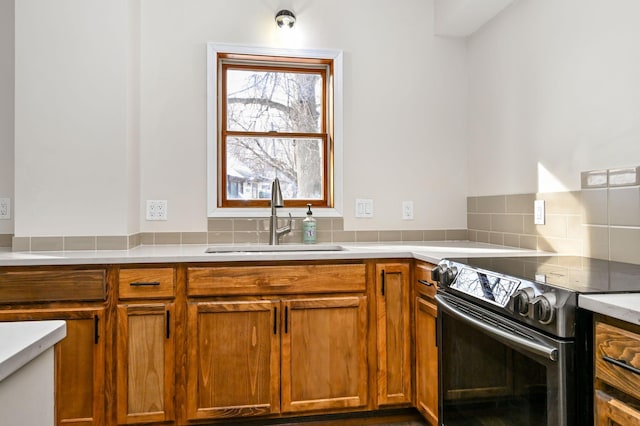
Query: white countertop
[[20, 342], [623, 306], [429, 251]]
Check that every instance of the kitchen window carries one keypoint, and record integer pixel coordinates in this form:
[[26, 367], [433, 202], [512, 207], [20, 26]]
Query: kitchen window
[[275, 116]]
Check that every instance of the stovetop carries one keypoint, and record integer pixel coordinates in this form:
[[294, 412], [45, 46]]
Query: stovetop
[[540, 291], [574, 273]]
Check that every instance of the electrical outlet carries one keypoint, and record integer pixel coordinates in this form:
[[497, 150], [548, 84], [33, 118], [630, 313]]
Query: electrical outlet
[[407, 210], [156, 209], [5, 208], [364, 207], [538, 212]]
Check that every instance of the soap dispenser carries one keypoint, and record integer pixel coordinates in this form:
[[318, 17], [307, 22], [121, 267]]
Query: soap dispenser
[[309, 227]]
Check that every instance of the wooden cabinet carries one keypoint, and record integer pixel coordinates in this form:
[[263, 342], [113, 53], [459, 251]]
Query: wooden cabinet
[[79, 363], [393, 333], [324, 354], [617, 373], [78, 297], [281, 354], [233, 359], [614, 412], [426, 366], [145, 346], [249, 358]]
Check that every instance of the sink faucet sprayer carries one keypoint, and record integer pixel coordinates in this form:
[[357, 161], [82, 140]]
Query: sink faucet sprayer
[[277, 201]]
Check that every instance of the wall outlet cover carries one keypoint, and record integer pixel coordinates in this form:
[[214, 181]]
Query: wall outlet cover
[[407, 210], [5, 208], [538, 212], [157, 210]]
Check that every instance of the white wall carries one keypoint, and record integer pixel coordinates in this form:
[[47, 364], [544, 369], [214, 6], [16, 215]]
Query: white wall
[[71, 117], [6, 107], [110, 109], [404, 106], [555, 86]]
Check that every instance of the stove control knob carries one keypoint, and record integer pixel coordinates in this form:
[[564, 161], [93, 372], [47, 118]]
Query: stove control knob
[[448, 275], [436, 273], [542, 308], [520, 301]]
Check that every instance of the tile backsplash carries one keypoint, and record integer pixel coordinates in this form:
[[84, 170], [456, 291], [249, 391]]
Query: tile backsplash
[[231, 231], [601, 222]]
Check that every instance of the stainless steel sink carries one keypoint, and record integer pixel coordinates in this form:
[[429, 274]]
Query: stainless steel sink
[[275, 248]]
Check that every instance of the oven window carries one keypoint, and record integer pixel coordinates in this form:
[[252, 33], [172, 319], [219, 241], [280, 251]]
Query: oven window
[[485, 382]]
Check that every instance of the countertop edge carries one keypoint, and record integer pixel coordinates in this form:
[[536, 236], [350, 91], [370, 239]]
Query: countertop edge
[[35, 338], [622, 306], [431, 252]]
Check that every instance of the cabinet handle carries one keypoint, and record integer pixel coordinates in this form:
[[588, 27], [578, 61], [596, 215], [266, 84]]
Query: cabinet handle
[[286, 319], [382, 277], [145, 284], [96, 329], [622, 364], [425, 282], [168, 324], [275, 320]]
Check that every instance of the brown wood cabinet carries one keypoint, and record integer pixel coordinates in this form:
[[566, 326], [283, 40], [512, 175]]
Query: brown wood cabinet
[[233, 359], [393, 333], [617, 372], [78, 297], [303, 352], [79, 363], [426, 365], [324, 354], [145, 346]]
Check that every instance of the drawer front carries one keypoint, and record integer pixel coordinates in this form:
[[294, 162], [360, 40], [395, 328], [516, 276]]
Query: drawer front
[[52, 286], [611, 411], [258, 280], [423, 283], [617, 358], [147, 283]]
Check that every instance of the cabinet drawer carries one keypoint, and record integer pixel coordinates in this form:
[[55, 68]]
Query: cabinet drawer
[[52, 286], [611, 411], [617, 358], [299, 279], [147, 283], [423, 282]]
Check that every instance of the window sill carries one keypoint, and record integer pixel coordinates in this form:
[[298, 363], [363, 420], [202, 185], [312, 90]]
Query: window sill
[[266, 212]]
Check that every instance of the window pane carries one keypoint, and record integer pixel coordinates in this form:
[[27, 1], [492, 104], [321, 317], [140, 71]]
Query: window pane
[[273, 101], [253, 163]]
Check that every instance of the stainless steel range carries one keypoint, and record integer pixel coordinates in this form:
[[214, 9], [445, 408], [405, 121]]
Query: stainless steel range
[[514, 349]]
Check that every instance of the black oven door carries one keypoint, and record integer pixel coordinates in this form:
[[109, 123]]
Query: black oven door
[[494, 371]]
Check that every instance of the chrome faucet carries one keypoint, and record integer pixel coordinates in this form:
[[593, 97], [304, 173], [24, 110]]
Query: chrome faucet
[[277, 201]]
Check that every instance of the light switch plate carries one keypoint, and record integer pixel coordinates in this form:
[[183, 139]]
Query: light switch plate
[[5, 208], [364, 207], [156, 209], [538, 212]]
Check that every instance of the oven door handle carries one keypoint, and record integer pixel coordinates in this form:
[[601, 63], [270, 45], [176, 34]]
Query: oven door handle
[[498, 334]]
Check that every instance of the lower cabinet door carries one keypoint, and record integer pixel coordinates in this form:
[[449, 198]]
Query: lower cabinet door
[[233, 359], [324, 354], [79, 363], [145, 363], [426, 360]]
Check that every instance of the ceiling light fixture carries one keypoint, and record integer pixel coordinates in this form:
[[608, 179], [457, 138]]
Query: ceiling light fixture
[[285, 19]]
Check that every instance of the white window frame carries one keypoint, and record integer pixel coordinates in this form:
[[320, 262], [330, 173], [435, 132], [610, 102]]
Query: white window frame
[[213, 211]]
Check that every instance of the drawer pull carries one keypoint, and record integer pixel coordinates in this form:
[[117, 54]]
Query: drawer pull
[[145, 284], [425, 282], [622, 364]]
